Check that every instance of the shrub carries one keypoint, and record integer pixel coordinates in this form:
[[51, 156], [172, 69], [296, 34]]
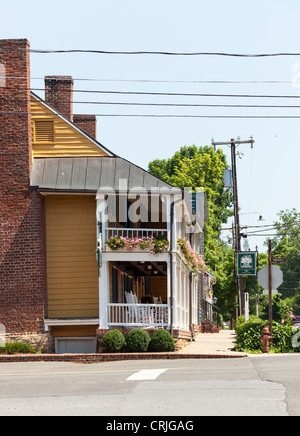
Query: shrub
[[113, 341], [282, 338], [241, 320], [17, 348], [162, 340], [248, 336], [137, 340]]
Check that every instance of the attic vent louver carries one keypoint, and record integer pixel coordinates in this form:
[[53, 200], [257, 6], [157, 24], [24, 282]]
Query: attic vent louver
[[43, 131]]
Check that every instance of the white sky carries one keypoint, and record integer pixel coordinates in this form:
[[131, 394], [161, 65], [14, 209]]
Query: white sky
[[268, 175]]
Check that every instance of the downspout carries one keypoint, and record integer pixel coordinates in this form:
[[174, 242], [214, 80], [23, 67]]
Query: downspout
[[191, 326], [171, 260], [190, 307]]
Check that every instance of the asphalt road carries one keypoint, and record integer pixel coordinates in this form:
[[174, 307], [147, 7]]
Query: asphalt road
[[266, 385]]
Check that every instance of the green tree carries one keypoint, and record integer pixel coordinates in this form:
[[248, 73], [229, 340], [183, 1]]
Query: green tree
[[203, 167], [288, 232], [286, 244]]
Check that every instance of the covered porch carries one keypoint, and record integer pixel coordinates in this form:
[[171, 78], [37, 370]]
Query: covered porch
[[138, 294], [139, 290], [134, 293]]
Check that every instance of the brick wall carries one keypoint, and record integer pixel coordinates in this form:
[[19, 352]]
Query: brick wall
[[22, 214]]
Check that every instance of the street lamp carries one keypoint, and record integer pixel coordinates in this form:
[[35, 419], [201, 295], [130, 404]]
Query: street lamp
[[260, 217]]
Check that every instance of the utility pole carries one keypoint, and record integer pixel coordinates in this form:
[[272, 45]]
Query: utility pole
[[270, 256], [233, 143]]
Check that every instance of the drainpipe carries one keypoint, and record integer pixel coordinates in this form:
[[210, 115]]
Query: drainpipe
[[190, 306], [171, 259], [190, 302]]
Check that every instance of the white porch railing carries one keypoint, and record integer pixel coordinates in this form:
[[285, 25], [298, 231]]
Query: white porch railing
[[133, 233], [142, 315]]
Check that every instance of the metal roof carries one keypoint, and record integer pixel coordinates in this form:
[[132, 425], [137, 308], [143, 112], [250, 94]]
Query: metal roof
[[94, 174]]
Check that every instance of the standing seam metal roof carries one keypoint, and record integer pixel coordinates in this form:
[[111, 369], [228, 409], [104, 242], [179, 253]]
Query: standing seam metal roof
[[93, 174]]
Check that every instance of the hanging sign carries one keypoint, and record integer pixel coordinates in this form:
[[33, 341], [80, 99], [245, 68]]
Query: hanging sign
[[246, 263]]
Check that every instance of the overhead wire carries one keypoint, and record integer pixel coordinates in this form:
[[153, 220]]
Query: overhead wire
[[256, 106], [289, 82], [146, 52], [182, 94], [167, 115], [164, 53]]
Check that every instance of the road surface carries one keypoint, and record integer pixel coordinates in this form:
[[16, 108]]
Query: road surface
[[252, 386]]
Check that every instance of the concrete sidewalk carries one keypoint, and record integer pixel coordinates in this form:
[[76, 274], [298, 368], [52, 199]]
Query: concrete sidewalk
[[213, 343]]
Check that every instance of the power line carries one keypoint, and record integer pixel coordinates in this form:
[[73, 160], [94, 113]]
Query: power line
[[164, 53], [169, 115], [180, 104], [289, 82], [182, 94], [145, 52], [274, 234]]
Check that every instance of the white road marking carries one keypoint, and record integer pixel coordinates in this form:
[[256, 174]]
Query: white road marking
[[146, 374]]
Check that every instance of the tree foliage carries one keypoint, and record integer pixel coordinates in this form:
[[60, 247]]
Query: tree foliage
[[286, 244], [203, 167], [194, 168]]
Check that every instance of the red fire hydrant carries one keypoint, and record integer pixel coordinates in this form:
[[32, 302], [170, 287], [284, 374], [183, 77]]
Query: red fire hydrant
[[266, 338]]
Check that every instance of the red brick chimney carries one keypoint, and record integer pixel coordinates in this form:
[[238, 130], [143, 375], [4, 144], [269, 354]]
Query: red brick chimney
[[88, 123], [23, 283], [59, 94]]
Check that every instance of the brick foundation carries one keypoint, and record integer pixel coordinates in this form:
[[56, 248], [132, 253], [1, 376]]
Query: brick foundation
[[109, 357]]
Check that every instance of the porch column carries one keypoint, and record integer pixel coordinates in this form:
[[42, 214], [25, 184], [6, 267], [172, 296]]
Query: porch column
[[172, 270], [168, 216], [175, 290], [102, 217], [103, 295]]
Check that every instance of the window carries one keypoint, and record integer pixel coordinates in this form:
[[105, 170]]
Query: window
[[43, 131]]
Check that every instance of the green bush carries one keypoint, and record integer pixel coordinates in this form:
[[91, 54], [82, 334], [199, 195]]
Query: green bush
[[241, 320], [137, 340], [282, 338], [162, 340], [249, 334], [113, 341], [17, 348]]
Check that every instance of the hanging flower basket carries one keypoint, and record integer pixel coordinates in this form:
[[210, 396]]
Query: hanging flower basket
[[194, 260]]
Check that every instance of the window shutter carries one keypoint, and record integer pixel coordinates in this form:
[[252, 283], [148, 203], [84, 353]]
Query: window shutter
[[43, 131]]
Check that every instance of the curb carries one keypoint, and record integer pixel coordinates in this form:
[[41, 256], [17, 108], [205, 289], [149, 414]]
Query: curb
[[110, 357]]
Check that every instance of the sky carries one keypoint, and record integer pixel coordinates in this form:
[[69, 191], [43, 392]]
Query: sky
[[268, 175]]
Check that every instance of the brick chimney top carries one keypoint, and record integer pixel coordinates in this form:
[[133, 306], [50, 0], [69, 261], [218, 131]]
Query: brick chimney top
[[87, 123], [59, 94]]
